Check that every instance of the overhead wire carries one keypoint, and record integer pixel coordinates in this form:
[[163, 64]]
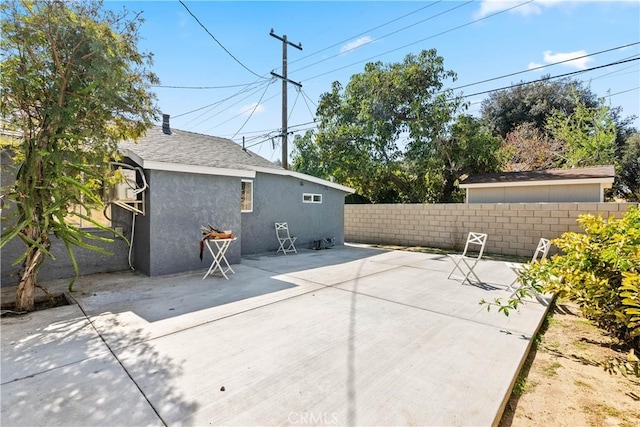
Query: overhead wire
[[219, 101], [239, 114], [546, 66], [304, 98], [252, 111], [215, 114], [200, 87], [294, 103], [419, 41], [551, 77], [382, 37], [365, 32], [220, 44]]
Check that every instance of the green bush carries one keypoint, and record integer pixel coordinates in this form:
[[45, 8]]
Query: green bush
[[599, 270]]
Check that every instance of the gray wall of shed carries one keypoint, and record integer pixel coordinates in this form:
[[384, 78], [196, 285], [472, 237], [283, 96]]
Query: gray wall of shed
[[278, 198], [574, 193], [178, 204]]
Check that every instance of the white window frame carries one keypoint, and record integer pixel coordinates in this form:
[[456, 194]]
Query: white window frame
[[311, 198], [250, 181]]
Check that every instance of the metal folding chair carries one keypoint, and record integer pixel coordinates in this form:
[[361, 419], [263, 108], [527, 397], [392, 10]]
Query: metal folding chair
[[541, 253], [464, 262], [285, 240]]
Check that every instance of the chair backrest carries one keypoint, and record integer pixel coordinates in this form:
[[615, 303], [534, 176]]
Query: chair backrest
[[542, 250], [476, 239], [282, 230]]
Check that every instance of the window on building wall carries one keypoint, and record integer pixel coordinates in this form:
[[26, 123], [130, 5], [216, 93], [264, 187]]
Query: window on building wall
[[246, 197], [101, 216], [311, 198]]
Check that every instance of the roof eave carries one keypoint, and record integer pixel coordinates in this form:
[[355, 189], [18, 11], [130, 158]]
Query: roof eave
[[305, 177], [537, 183], [179, 167]]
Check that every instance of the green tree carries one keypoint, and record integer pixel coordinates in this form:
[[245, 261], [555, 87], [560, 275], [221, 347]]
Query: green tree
[[389, 134], [588, 134], [627, 183], [533, 103], [469, 148], [73, 85]]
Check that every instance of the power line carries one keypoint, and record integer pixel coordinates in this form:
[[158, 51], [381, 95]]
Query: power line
[[304, 98], [386, 35], [545, 66], [295, 101], [551, 78], [217, 102], [421, 40], [271, 130], [220, 44], [201, 87], [618, 71], [366, 31], [252, 111], [624, 91], [239, 114]]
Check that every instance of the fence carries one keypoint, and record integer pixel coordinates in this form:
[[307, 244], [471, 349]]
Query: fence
[[513, 228]]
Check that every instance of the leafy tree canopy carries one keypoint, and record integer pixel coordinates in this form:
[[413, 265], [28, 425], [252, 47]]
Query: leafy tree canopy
[[388, 132], [533, 103], [588, 134], [73, 85], [627, 183]]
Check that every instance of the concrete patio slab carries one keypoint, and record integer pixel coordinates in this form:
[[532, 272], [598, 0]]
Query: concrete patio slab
[[346, 336], [57, 371]]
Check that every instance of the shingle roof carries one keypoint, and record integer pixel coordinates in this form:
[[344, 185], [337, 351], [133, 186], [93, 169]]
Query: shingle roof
[[189, 148], [193, 152], [593, 172]]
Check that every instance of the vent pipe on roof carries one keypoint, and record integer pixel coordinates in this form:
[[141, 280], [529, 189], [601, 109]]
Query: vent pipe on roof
[[166, 129]]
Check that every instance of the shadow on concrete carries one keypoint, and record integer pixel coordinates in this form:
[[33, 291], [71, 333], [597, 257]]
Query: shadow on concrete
[[160, 298], [310, 259], [60, 372]]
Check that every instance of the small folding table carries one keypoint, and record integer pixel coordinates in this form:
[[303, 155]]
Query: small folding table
[[218, 251]]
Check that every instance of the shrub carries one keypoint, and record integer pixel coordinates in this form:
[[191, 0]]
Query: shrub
[[599, 270]]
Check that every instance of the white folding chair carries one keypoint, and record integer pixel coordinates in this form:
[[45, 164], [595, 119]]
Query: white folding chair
[[285, 240], [541, 253], [464, 262]]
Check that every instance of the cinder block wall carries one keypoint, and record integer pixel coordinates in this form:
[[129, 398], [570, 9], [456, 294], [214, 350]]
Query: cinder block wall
[[513, 228]]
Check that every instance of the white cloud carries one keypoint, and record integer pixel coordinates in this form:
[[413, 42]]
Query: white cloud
[[247, 109], [487, 7], [355, 44], [581, 64]]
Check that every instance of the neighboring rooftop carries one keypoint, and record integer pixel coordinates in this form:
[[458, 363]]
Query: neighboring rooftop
[[600, 173]]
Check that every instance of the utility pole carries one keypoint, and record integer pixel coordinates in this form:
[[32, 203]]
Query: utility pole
[[285, 80]]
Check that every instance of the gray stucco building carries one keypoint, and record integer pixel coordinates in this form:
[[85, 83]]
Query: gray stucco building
[[194, 180]]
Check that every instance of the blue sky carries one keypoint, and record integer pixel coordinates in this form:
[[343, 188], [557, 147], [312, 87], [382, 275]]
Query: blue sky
[[339, 38]]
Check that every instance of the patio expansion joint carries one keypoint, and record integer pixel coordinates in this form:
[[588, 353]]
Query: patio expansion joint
[[55, 368], [115, 356]]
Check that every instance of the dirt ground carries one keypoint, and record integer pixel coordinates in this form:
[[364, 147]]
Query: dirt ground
[[563, 382]]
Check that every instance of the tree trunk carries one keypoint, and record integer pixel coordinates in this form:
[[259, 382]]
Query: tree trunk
[[25, 295], [447, 191]]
